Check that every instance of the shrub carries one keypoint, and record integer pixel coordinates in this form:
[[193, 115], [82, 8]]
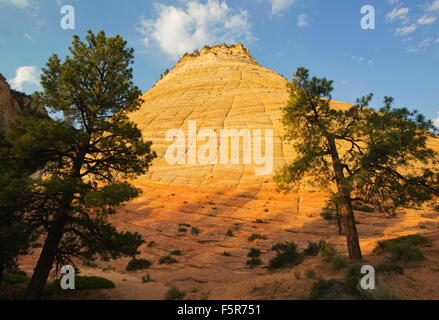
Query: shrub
[[317, 288], [259, 221], [406, 252], [266, 210], [256, 236], [182, 230], [195, 231], [184, 225], [390, 268], [176, 253], [147, 279], [138, 264], [151, 243], [167, 260], [174, 294], [87, 283], [229, 233], [226, 254], [254, 262], [297, 275], [314, 248], [328, 251], [15, 278], [254, 253], [386, 245], [352, 279], [339, 262], [310, 273], [286, 256]]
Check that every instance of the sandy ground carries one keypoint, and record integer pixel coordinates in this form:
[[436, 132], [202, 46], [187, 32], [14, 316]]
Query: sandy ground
[[204, 272]]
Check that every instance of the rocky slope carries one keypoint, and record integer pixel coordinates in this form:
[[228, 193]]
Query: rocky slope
[[8, 105], [224, 87], [12, 101]]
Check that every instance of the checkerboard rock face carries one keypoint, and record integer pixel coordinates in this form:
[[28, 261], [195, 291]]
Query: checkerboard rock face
[[220, 88]]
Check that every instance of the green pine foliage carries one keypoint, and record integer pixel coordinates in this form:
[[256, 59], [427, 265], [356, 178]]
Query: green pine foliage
[[86, 156]]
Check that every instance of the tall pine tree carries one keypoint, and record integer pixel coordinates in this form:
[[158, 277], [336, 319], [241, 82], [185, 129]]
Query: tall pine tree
[[381, 158], [84, 158]]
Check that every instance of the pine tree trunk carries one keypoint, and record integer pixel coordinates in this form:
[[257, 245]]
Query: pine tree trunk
[[46, 260], [1, 274], [350, 228], [347, 211]]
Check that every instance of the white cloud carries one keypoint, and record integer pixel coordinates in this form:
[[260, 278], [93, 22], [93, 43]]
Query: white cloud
[[397, 13], [277, 6], [426, 19], [434, 6], [179, 30], [425, 43], [16, 3], [25, 74], [437, 40], [436, 121], [392, 2], [403, 31], [302, 20]]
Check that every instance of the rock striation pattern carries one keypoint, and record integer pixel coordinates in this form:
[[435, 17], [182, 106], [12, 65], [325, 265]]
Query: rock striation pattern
[[221, 87]]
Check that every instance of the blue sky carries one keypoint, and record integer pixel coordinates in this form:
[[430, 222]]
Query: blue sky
[[399, 58]]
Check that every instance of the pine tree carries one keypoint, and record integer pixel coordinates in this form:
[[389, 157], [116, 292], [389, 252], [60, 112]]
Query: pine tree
[[84, 158], [381, 158]]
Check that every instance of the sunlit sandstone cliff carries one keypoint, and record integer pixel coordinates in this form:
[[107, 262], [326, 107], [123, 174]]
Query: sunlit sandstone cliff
[[220, 88], [8, 105]]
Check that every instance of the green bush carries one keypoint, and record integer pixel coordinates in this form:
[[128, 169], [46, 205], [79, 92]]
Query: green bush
[[229, 233], [389, 268], [339, 262], [15, 278], [195, 231], [254, 253], [151, 244], [182, 230], [167, 260], [286, 256], [174, 294], [387, 245], [138, 264], [352, 279], [226, 254], [184, 225], [259, 221], [254, 262], [406, 252], [88, 283], [310, 273], [314, 248], [176, 253], [256, 236], [328, 251], [147, 279], [317, 288]]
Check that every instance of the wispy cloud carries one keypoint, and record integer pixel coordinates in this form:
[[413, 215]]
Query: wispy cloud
[[397, 14], [426, 19], [302, 20], [403, 31], [433, 6], [16, 3], [278, 6]]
